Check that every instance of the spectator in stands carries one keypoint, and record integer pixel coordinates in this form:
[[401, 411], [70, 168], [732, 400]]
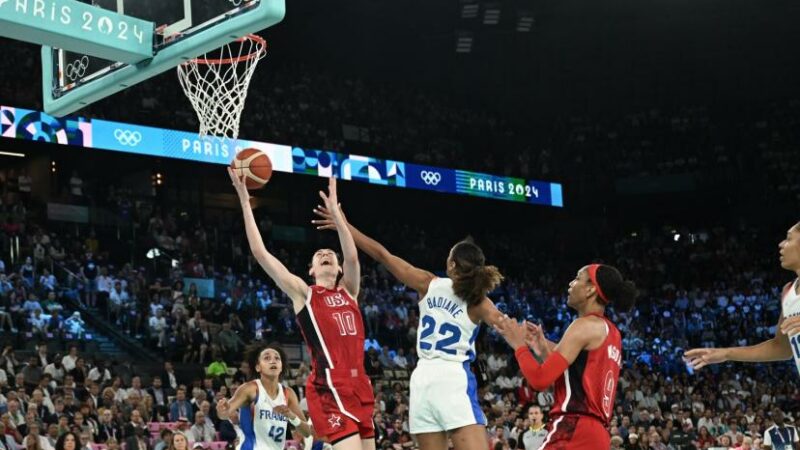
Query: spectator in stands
[[139, 440], [229, 342], [69, 360], [179, 442], [86, 440], [180, 407], [34, 439], [169, 377], [75, 325], [166, 439], [201, 431], [385, 358], [118, 301], [106, 428], [67, 441]]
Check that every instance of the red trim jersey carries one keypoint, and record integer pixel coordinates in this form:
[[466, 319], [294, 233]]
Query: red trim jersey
[[589, 386], [334, 331], [339, 393]]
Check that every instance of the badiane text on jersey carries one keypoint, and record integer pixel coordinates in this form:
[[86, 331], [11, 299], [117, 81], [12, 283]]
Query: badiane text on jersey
[[440, 302]]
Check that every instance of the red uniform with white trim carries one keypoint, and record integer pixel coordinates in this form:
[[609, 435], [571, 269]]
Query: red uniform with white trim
[[584, 397], [339, 393]]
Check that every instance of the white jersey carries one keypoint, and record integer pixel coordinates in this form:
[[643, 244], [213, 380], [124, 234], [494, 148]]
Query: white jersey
[[790, 305], [445, 331], [263, 428]]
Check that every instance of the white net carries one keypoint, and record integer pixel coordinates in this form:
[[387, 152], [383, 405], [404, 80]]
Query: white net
[[217, 82]]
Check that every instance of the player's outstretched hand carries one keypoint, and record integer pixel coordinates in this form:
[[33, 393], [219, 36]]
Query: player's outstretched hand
[[791, 326], [512, 331], [239, 185], [700, 357], [325, 221], [535, 339]]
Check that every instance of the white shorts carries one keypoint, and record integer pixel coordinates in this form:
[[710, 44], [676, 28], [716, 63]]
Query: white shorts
[[444, 396]]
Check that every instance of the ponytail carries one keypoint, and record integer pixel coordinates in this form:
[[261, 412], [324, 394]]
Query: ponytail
[[472, 278], [620, 292]]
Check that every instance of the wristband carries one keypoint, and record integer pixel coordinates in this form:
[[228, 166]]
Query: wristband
[[296, 421]]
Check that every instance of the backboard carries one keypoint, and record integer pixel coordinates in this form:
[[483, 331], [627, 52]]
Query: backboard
[[185, 29]]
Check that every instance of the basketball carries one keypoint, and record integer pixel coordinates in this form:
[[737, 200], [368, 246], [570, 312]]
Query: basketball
[[254, 165]]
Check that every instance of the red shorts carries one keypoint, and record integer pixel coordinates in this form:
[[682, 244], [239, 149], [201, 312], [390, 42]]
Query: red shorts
[[343, 408], [577, 432]]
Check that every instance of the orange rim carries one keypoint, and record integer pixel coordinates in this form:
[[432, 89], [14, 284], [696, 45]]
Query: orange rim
[[250, 37]]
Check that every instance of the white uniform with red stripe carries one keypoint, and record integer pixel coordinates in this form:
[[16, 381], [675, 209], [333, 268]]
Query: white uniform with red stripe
[[790, 305]]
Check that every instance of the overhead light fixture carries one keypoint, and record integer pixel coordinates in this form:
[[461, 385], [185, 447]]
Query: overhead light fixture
[[491, 14], [463, 42], [469, 9], [525, 21], [14, 154]]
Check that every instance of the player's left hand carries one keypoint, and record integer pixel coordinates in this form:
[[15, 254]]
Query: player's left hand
[[327, 221], [285, 411], [791, 326], [512, 331]]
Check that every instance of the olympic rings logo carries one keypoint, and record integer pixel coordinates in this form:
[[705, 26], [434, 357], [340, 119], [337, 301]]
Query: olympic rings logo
[[430, 178], [127, 137], [77, 68]]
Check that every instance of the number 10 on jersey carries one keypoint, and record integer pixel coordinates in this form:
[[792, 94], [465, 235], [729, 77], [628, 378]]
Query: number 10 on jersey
[[346, 321]]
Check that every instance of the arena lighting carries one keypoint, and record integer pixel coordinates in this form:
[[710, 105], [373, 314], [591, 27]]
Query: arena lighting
[[463, 42], [469, 9], [524, 21], [491, 14], [153, 253], [18, 155]]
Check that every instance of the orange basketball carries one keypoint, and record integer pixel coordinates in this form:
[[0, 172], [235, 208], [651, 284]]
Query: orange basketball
[[254, 165]]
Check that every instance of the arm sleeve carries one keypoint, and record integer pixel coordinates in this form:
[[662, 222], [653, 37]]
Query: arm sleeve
[[540, 376]]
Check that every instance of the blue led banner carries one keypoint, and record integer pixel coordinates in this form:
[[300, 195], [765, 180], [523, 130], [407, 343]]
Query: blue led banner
[[99, 134]]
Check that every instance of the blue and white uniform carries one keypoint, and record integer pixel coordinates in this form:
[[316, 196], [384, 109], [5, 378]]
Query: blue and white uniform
[[790, 305], [444, 392], [263, 428]]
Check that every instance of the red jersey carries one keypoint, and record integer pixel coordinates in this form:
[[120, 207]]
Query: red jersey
[[334, 331], [589, 386]]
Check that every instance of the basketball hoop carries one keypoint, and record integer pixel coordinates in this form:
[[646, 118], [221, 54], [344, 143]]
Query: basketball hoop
[[217, 82]]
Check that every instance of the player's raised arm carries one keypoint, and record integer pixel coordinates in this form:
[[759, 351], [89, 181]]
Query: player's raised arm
[[351, 276], [413, 277], [289, 283]]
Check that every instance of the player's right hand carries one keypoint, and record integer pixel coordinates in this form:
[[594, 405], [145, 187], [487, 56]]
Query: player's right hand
[[790, 326], [535, 340], [239, 185], [700, 357], [222, 407]]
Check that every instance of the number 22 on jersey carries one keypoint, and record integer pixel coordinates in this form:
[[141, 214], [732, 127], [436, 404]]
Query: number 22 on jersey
[[448, 334]]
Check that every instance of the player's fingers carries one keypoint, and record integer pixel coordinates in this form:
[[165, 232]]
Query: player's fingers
[[696, 352], [789, 324], [699, 365]]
